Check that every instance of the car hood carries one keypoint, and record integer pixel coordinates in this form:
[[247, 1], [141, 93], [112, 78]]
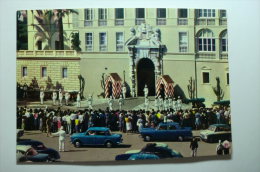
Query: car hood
[[116, 135], [206, 132]]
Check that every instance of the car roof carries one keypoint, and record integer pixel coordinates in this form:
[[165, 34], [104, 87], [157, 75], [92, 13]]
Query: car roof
[[220, 125], [29, 142], [169, 123], [23, 147], [99, 128]]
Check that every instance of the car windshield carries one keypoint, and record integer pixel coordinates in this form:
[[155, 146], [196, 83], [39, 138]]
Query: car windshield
[[212, 128], [31, 152]]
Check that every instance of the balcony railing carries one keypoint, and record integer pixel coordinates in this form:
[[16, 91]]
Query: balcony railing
[[206, 55], [102, 22], [161, 21], [119, 22], [47, 53], [204, 21], [182, 21], [88, 23], [139, 21], [89, 48], [103, 48], [223, 21], [224, 55]]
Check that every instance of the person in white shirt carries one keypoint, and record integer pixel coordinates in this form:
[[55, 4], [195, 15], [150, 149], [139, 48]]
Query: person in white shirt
[[179, 103], [60, 96], [110, 103], [146, 91], [54, 97], [90, 102], [124, 91], [78, 100], [120, 102], [42, 96], [62, 135], [67, 97]]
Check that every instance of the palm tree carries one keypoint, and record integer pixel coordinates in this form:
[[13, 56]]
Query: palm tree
[[46, 27], [59, 14]]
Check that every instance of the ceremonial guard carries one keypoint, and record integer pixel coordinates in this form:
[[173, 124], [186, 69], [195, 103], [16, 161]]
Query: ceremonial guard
[[54, 97], [161, 103], [110, 103], [156, 103], [42, 96], [120, 102], [179, 103], [170, 103], [174, 104], [67, 97], [124, 91], [146, 103], [166, 103], [146, 91], [60, 96], [90, 101], [78, 99]]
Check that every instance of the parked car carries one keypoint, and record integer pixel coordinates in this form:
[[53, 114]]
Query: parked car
[[27, 153], [143, 156], [96, 136], [167, 131], [161, 151], [216, 132], [40, 148], [19, 133]]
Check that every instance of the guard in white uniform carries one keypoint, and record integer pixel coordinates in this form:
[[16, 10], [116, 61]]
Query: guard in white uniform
[[54, 97], [42, 96], [67, 97], [78, 100], [90, 102]]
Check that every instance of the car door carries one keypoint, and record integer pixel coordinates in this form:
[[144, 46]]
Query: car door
[[161, 133], [100, 138], [88, 139], [171, 132]]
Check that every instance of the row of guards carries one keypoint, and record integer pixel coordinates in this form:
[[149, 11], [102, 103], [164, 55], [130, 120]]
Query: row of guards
[[113, 86]]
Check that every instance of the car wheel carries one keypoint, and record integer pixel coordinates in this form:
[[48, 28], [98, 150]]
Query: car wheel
[[109, 144], [77, 144], [147, 138], [180, 138]]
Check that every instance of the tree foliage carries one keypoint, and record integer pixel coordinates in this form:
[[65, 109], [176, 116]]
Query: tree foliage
[[75, 42], [218, 90]]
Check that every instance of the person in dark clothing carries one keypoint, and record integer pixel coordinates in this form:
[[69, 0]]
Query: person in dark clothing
[[194, 146]]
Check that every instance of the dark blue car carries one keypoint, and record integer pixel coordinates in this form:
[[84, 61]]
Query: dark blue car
[[153, 149], [40, 148], [96, 136], [167, 131]]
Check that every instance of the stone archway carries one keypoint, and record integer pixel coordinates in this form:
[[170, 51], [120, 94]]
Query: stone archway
[[145, 76]]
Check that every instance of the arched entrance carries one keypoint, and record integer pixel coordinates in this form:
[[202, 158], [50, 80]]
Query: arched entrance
[[145, 75]]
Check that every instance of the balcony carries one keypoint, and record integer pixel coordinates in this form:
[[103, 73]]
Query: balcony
[[161, 21], [47, 53], [205, 21], [222, 21], [206, 55], [224, 55], [88, 23], [119, 22], [139, 21], [102, 22], [182, 21]]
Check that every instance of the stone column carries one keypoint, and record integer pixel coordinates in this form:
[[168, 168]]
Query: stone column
[[132, 72]]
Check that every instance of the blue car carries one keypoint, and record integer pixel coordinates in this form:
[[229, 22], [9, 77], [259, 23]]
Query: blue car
[[40, 148], [96, 136], [167, 131], [152, 149], [143, 156]]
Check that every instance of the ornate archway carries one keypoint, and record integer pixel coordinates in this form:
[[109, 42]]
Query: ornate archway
[[144, 43]]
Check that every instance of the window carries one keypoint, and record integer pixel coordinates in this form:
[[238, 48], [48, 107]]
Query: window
[[140, 13], [161, 12], [206, 41], [103, 41], [39, 45], [182, 13], [206, 13], [223, 13], [102, 14], [64, 72], [24, 71], [227, 78], [88, 17], [183, 42], [205, 77], [102, 17], [224, 42], [89, 14], [119, 13], [119, 41], [89, 41], [44, 72]]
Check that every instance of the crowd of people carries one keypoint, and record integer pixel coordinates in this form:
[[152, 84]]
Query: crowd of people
[[50, 120]]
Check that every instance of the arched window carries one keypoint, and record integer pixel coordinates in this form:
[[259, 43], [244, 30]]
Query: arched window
[[206, 41], [224, 41]]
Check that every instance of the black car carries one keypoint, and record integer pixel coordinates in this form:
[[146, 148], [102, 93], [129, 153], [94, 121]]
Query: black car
[[40, 148]]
